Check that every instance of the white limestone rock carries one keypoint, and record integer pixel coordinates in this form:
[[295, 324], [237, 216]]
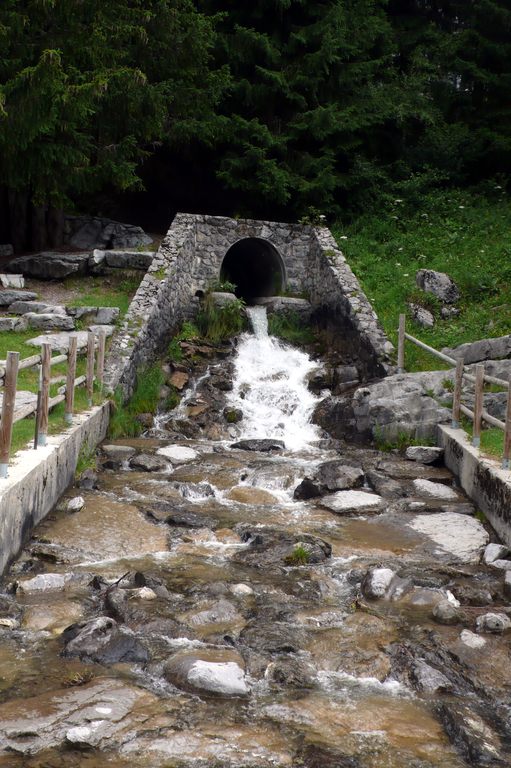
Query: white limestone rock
[[223, 678], [456, 535], [344, 502], [12, 281], [178, 454], [241, 590], [472, 640], [76, 504], [424, 454], [44, 582], [495, 552], [495, 623], [376, 582], [436, 490]]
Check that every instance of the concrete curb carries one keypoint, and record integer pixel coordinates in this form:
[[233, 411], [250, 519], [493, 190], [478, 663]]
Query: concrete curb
[[482, 479], [37, 479]]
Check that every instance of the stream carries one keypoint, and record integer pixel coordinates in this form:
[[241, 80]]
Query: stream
[[196, 611]]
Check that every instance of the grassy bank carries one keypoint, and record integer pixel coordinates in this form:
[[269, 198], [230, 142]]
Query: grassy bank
[[465, 234]]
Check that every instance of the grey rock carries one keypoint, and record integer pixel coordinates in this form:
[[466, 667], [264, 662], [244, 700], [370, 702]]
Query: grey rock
[[88, 480], [12, 281], [22, 307], [9, 323], [439, 284], [118, 453], [507, 584], [6, 250], [129, 259], [478, 743], [222, 298], [107, 315], [349, 502], [44, 582], [429, 679], [103, 641], [290, 672], [89, 232], [259, 445], [376, 582], [484, 349], [51, 265], [148, 463], [385, 486], [446, 313], [108, 330], [8, 296], [424, 454], [220, 674], [330, 476], [58, 341], [495, 623], [97, 259], [421, 316], [49, 322], [445, 612], [495, 552], [76, 504]]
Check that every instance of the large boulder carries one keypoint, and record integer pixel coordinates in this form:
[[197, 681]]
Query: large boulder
[[259, 445], [403, 404], [421, 315], [330, 476], [211, 672], [51, 265], [483, 349], [88, 232], [439, 284], [49, 322], [129, 259]]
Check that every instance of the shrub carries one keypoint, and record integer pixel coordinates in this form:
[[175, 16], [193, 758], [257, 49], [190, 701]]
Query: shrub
[[219, 323]]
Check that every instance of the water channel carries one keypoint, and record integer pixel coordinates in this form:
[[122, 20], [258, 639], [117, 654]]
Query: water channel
[[201, 615]]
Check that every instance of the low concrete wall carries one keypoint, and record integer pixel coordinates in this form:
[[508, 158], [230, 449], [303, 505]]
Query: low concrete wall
[[37, 479], [486, 484]]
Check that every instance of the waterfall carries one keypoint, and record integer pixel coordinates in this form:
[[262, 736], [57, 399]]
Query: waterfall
[[270, 387]]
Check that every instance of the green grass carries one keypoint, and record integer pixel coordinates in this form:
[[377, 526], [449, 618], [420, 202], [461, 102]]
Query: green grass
[[105, 291], [123, 422], [299, 556], [462, 233], [492, 438], [219, 323]]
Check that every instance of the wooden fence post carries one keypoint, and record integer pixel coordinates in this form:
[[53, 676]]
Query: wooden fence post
[[456, 397], [507, 432], [90, 367], [478, 406], [42, 435], [70, 379], [100, 369], [8, 408], [401, 345]]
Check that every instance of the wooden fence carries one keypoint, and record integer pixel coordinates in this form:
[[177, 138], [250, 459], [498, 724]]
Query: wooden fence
[[478, 415], [9, 370]]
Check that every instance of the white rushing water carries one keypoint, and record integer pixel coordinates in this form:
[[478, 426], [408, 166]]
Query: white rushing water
[[270, 387]]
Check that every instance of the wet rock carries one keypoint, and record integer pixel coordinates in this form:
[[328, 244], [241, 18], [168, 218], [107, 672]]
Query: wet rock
[[178, 454], [385, 486], [503, 565], [472, 594], [219, 612], [219, 673], [116, 603], [88, 480], [118, 453], [330, 476], [179, 380], [461, 508], [269, 547], [472, 640], [376, 582], [233, 415], [44, 582], [471, 735], [429, 679], [439, 284], [259, 445], [291, 672], [494, 623], [346, 502], [455, 535], [424, 454], [148, 463], [435, 490], [314, 756], [241, 590], [248, 495], [222, 383], [275, 637], [145, 419], [445, 612], [103, 641], [76, 504], [196, 491], [495, 552]]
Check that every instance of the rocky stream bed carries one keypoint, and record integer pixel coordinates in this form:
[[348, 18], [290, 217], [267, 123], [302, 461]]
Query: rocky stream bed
[[215, 601]]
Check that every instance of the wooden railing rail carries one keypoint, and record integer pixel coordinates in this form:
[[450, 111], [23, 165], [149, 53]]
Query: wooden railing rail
[[9, 369], [478, 415]]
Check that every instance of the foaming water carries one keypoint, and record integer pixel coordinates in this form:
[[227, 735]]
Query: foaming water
[[270, 387]]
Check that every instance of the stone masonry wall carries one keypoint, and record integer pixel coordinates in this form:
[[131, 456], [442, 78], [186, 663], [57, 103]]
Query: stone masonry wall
[[189, 260]]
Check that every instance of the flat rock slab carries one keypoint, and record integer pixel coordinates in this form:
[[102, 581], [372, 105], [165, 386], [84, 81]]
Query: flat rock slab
[[434, 490], [8, 297], [424, 454], [259, 445], [459, 536], [59, 341], [23, 398], [178, 454], [49, 321], [345, 502], [51, 265]]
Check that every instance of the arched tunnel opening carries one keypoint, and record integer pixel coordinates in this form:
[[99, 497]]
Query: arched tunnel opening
[[255, 267]]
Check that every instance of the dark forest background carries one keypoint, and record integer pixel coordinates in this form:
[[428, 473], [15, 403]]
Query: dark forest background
[[272, 108]]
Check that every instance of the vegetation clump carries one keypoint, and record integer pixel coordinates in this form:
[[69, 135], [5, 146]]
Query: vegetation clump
[[145, 398], [290, 327], [217, 323], [299, 556]]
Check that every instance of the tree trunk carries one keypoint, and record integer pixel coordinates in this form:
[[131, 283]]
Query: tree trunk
[[39, 233], [18, 215], [55, 222]]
